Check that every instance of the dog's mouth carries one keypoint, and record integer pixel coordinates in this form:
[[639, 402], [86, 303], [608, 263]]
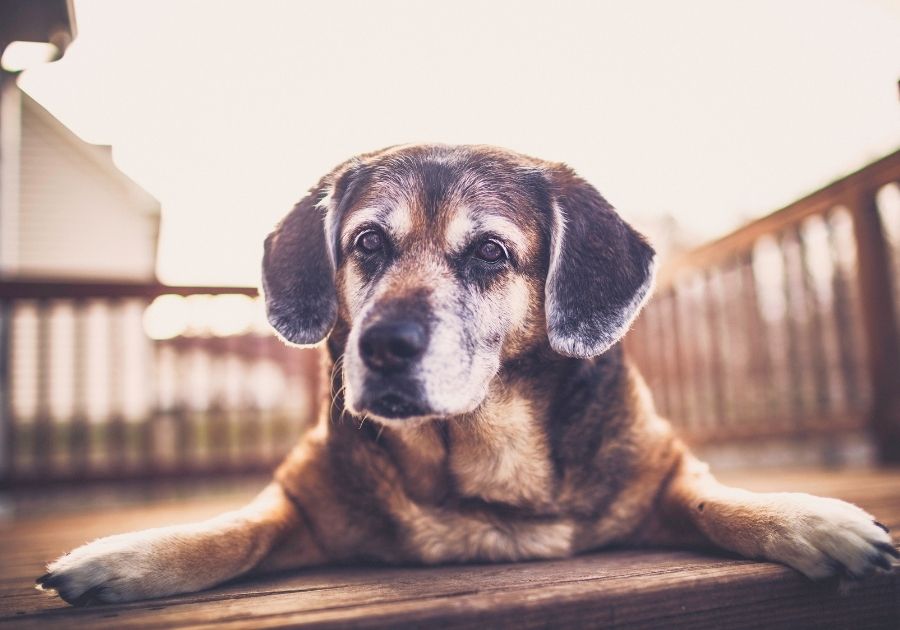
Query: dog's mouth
[[394, 406], [392, 403]]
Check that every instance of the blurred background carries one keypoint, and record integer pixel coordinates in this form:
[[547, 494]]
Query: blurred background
[[147, 147]]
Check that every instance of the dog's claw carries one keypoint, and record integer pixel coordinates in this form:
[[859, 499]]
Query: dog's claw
[[888, 549], [88, 598], [883, 562], [48, 581]]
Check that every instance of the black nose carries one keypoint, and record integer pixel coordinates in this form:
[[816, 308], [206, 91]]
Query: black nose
[[392, 345]]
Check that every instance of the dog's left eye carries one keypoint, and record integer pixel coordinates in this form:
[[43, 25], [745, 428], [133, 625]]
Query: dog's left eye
[[491, 251], [370, 241]]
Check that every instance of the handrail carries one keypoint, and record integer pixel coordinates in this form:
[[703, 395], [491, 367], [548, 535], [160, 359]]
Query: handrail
[[54, 288], [883, 171]]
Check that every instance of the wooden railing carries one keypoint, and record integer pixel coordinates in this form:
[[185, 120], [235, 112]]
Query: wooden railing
[[786, 327], [87, 394]]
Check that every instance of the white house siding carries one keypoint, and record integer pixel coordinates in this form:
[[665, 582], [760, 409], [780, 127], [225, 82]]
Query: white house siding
[[78, 216]]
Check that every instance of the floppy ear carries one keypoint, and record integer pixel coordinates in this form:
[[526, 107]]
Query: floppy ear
[[299, 262], [600, 274]]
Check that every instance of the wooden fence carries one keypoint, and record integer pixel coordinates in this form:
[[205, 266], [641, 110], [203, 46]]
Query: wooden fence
[[786, 327], [88, 394]]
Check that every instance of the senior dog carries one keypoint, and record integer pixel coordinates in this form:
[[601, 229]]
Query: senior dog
[[481, 407]]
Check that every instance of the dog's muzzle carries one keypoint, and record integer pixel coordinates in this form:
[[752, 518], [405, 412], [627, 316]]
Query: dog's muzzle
[[390, 350]]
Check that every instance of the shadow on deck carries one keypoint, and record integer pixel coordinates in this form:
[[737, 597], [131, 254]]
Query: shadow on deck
[[671, 589]]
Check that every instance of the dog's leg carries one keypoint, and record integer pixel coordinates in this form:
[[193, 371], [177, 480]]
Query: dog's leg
[[177, 559], [817, 536]]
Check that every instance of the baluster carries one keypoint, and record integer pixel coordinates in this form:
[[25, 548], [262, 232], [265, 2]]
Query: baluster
[[648, 364], [117, 438], [652, 366], [186, 441], [695, 323], [218, 428], [79, 427], [879, 324], [684, 352], [733, 328], [251, 426], [43, 434], [760, 385], [845, 316], [313, 376], [888, 200], [8, 433], [679, 395], [634, 343], [795, 318], [152, 421], [281, 419], [717, 355], [814, 339], [665, 356]]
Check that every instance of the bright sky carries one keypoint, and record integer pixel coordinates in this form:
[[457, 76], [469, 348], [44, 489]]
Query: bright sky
[[713, 111]]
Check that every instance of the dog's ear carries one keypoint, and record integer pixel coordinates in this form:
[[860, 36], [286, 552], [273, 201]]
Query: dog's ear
[[601, 270], [300, 258]]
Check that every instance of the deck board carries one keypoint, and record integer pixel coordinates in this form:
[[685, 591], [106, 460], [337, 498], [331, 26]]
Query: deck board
[[615, 588]]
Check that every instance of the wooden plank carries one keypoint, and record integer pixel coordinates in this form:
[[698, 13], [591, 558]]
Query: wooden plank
[[738, 594], [617, 588]]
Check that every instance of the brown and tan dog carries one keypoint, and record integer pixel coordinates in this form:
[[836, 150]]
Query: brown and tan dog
[[471, 300]]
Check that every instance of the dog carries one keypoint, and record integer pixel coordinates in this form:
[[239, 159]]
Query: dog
[[479, 404]]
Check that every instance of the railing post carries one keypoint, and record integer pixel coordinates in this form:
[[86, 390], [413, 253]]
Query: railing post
[[7, 427], [879, 322]]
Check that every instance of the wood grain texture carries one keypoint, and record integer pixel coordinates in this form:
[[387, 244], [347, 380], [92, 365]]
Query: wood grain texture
[[619, 588]]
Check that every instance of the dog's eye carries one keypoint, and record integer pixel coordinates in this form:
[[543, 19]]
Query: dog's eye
[[370, 241], [491, 251]]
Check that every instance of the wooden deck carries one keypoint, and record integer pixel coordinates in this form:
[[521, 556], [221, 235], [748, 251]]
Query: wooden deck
[[610, 589]]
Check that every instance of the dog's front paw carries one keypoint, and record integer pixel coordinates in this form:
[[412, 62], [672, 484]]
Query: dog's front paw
[[823, 537], [118, 568]]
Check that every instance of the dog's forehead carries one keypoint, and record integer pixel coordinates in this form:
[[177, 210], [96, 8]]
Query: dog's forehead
[[451, 192]]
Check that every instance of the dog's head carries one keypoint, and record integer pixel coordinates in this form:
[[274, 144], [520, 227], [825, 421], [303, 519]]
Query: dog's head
[[440, 263]]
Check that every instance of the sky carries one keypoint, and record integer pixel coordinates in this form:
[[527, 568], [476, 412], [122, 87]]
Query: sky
[[711, 112]]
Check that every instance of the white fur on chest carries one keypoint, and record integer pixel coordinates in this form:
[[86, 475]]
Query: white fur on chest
[[501, 454], [446, 536], [498, 454]]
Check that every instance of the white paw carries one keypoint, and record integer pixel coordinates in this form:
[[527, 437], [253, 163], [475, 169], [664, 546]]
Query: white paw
[[118, 568], [823, 537]]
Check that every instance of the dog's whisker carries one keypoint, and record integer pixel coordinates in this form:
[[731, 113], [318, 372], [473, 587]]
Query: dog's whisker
[[335, 397], [335, 369]]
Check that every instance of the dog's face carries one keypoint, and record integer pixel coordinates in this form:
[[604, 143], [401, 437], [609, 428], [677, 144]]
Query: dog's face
[[441, 263]]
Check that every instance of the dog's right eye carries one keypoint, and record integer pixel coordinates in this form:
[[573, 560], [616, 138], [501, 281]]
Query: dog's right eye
[[370, 241], [490, 251]]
